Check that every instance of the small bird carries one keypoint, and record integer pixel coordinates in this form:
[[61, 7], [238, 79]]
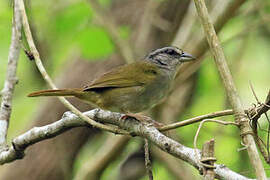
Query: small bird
[[131, 88]]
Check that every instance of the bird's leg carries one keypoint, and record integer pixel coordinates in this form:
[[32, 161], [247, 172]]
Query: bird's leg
[[136, 116]]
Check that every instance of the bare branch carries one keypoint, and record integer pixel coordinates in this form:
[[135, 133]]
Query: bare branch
[[37, 134], [47, 78], [145, 130], [11, 79], [254, 113], [230, 88]]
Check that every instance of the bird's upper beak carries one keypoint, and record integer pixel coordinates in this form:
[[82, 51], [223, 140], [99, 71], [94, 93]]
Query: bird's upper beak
[[186, 57]]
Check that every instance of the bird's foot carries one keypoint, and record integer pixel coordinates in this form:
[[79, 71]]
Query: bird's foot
[[143, 119]]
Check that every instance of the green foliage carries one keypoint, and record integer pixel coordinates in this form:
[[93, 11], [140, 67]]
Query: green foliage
[[90, 40], [67, 28]]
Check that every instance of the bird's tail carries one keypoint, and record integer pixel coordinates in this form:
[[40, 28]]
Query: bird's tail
[[56, 92]]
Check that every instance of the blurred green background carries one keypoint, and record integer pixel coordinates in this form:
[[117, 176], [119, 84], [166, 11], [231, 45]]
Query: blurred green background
[[66, 28]]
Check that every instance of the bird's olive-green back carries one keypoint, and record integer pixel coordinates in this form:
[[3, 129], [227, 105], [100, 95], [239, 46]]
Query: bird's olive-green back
[[135, 74]]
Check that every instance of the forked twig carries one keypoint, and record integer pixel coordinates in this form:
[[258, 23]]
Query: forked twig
[[255, 122], [198, 131]]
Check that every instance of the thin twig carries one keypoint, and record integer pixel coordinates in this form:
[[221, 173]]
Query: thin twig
[[147, 159], [47, 78], [11, 79], [198, 131], [258, 140], [196, 119], [255, 113], [253, 92], [107, 22], [230, 88]]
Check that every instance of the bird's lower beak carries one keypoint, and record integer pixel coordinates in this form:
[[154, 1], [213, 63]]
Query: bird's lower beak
[[186, 57]]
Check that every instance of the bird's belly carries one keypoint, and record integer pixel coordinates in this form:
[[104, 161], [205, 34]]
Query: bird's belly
[[132, 99]]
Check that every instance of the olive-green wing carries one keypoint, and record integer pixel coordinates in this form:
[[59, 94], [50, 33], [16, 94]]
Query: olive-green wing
[[135, 74]]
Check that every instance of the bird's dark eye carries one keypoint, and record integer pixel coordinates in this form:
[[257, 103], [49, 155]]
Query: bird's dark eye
[[171, 52]]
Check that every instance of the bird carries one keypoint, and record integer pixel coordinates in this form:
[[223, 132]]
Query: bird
[[130, 88]]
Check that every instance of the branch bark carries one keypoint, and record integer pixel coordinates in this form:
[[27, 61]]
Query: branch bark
[[234, 99], [208, 152], [145, 130], [11, 79]]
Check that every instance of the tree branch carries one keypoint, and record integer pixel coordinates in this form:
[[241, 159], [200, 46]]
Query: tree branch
[[230, 88], [11, 79], [145, 130]]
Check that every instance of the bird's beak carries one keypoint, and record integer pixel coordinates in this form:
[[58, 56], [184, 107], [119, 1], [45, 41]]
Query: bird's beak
[[186, 57]]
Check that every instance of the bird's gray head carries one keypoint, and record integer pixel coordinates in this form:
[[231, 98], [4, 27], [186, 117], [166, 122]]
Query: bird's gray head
[[168, 57]]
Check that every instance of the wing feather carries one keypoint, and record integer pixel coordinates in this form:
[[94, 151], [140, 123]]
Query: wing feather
[[135, 74]]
